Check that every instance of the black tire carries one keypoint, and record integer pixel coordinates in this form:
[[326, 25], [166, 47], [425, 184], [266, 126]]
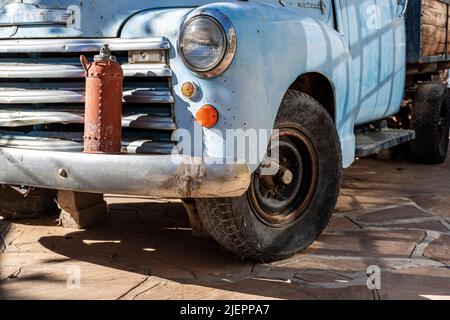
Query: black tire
[[35, 204], [431, 122], [238, 225]]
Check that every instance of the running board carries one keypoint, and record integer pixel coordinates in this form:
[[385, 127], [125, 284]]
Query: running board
[[372, 142]]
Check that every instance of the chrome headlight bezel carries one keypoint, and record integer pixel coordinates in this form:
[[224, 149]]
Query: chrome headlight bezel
[[229, 51]]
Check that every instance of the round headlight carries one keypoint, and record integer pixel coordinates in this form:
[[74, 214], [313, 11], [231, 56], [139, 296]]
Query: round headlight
[[207, 44], [203, 43]]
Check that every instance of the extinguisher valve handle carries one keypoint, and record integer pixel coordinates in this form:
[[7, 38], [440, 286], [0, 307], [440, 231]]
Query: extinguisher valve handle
[[84, 62]]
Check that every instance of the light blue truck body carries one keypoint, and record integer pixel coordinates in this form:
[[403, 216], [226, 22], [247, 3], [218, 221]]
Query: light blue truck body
[[357, 45]]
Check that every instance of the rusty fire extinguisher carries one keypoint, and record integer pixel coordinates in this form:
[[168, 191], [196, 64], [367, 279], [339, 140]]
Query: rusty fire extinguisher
[[103, 103]]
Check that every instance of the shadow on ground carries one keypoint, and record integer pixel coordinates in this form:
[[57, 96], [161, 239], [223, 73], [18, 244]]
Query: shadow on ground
[[145, 250]]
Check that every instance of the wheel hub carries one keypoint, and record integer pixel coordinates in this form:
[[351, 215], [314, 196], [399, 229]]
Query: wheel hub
[[281, 198]]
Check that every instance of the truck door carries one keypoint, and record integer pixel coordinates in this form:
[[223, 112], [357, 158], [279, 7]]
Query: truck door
[[375, 33]]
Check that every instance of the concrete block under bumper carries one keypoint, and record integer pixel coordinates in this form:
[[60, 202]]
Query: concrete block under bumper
[[173, 176]]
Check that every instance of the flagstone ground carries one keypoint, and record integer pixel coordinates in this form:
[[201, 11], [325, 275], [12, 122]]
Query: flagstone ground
[[392, 214]]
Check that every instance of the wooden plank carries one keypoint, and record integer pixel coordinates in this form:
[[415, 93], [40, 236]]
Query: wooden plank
[[434, 27], [448, 29]]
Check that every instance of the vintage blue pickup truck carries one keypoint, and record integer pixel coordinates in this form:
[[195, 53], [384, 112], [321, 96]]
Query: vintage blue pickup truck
[[309, 84]]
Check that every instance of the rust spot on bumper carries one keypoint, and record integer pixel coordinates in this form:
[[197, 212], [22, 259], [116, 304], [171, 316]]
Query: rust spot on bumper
[[186, 180]]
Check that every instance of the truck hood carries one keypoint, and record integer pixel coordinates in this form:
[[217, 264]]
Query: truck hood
[[86, 18]]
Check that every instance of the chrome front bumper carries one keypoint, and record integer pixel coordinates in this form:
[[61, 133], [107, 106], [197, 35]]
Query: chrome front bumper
[[168, 176]]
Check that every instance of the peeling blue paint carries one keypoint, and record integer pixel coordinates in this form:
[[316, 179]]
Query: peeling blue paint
[[276, 44]]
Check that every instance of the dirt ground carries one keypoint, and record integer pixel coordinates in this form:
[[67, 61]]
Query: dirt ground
[[391, 214]]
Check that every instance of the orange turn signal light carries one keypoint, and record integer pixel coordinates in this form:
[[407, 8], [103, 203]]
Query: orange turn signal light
[[207, 116]]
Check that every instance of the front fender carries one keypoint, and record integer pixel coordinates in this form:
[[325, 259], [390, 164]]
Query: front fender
[[275, 45]]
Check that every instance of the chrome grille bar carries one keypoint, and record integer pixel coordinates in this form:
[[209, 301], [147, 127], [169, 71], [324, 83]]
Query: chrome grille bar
[[13, 140], [76, 95], [81, 45], [49, 71], [30, 118]]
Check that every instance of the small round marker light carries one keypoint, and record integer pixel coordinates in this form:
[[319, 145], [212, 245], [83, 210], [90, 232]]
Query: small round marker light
[[189, 89], [207, 116]]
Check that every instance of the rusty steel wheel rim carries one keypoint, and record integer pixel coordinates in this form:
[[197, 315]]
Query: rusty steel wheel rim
[[282, 198]]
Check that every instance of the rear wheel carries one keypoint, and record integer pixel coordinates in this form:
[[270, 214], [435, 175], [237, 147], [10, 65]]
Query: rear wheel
[[33, 204], [431, 122], [285, 212]]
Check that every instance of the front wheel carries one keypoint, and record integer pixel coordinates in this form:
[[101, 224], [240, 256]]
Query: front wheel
[[283, 213]]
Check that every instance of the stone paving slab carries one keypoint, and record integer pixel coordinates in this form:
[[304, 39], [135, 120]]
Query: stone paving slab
[[368, 243], [341, 223], [424, 283], [439, 249], [434, 204], [391, 214], [424, 225], [396, 213]]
